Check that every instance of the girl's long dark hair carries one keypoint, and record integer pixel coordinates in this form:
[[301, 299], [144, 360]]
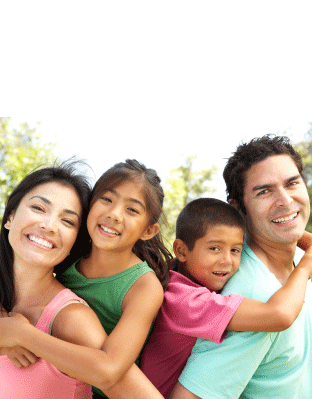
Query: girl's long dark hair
[[66, 175], [153, 251]]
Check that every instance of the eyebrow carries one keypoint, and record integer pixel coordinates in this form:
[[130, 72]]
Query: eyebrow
[[264, 186], [71, 212], [136, 201], [222, 241]]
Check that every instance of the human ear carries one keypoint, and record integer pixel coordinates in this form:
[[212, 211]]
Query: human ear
[[180, 250], [234, 204], [150, 232], [8, 223]]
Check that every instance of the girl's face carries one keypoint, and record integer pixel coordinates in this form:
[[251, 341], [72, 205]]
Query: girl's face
[[44, 227], [119, 218]]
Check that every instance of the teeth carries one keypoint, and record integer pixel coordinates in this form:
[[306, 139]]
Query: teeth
[[40, 241], [286, 219], [109, 230], [219, 273]]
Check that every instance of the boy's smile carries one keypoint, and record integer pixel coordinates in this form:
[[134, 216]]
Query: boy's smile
[[215, 257]]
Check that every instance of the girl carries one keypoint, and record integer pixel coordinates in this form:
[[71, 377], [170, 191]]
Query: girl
[[117, 278]]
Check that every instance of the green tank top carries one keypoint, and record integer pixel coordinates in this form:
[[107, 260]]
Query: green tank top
[[104, 295]]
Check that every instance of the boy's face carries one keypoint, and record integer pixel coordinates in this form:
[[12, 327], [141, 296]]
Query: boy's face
[[214, 258]]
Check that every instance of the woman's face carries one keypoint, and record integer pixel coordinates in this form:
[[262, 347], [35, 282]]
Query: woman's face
[[44, 227]]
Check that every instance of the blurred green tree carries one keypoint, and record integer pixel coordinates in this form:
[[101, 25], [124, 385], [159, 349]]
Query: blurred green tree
[[21, 152], [305, 150], [183, 185]]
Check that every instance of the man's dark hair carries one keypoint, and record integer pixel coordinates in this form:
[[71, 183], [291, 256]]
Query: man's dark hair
[[203, 213], [248, 154]]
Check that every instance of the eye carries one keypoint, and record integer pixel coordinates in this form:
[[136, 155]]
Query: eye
[[236, 250], [214, 249], [37, 208], [106, 199], [293, 183], [69, 222], [262, 192], [133, 210]]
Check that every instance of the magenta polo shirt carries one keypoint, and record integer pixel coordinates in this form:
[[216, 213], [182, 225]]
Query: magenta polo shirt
[[189, 311]]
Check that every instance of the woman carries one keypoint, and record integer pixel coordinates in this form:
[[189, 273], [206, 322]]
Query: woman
[[43, 226]]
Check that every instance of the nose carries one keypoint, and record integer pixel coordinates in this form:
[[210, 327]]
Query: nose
[[284, 199], [115, 213], [49, 223], [226, 258]]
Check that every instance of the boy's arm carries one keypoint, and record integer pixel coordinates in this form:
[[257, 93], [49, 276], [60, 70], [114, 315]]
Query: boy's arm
[[282, 309]]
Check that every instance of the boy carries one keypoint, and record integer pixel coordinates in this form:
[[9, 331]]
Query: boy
[[208, 245]]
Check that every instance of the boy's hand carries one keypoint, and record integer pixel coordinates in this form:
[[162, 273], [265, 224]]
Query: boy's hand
[[305, 241], [19, 356]]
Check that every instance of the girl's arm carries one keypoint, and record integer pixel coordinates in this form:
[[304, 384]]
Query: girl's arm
[[124, 344], [282, 309], [180, 392], [140, 307], [85, 330]]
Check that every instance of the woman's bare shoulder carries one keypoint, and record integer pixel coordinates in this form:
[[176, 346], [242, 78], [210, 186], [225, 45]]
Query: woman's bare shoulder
[[77, 323]]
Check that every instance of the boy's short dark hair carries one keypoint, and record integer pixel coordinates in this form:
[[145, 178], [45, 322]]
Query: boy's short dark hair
[[201, 214], [248, 154]]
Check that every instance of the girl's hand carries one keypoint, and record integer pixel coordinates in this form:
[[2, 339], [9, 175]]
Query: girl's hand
[[10, 328], [19, 356]]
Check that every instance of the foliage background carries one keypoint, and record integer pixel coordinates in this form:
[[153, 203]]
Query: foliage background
[[22, 150]]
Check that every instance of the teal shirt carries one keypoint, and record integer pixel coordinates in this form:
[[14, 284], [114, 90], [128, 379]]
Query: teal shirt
[[251, 365], [104, 295]]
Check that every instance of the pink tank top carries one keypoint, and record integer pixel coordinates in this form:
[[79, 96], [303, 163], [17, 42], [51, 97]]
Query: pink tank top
[[42, 380]]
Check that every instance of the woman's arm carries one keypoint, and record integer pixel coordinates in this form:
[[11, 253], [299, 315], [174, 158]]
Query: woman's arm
[[80, 362], [282, 309], [19, 356]]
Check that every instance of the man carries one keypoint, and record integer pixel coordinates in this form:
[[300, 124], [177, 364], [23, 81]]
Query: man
[[265, 181]]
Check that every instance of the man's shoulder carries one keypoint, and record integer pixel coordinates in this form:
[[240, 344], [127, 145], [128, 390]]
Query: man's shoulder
[[253, 279]]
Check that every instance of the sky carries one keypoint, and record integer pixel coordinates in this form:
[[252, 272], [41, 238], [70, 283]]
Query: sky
[[157, 81]]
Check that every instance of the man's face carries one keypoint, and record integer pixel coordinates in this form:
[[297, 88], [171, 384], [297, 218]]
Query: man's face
[[276, 200]]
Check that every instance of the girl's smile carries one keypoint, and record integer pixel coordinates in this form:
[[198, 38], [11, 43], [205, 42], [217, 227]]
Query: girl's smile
[[118, 219]]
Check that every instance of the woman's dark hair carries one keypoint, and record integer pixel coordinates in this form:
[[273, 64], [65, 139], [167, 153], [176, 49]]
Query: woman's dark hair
[[64, 174], [248, 154], [203, 213], [153, 251]]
